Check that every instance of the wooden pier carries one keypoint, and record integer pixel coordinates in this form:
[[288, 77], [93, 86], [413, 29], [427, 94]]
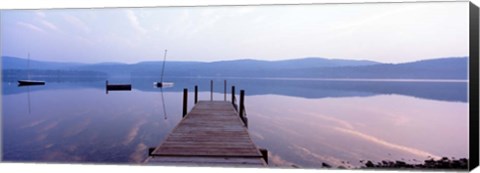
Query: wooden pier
[[212, 133]]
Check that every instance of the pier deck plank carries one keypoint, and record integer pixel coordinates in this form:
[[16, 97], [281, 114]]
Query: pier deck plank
[[212, 133]]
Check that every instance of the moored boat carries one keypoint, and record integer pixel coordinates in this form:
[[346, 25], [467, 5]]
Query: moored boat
[[30, 82]]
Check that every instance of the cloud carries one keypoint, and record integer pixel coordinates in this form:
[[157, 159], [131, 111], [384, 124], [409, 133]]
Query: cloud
[[181, 24], [245, 10], [134, 131], [133, 19], [138, 155], [49, 25], [276, 160], [77, 128], [40, 14], [372, 19], [33, 123], [311, 156], [49, 126], [338, 121], [30, 26], [77, 23], [387, 144]]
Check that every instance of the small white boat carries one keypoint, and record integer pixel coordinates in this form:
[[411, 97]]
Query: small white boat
[[163, 84]]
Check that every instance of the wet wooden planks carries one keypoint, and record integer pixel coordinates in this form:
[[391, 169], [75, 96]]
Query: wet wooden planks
[[212, 133]]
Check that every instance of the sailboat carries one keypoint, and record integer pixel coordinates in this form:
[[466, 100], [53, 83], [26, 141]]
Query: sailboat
[[162, 84], [28, 81]]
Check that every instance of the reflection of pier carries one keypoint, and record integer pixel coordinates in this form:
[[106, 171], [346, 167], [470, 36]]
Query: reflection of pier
[[212, 133]]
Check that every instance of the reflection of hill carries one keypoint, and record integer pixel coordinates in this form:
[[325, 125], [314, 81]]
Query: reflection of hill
[[445, 91], [10, 85], [320, 89]]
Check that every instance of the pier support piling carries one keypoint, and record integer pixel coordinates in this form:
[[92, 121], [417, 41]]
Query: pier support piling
[[185, 99], [241, 106], [233, 95], [264, 154], [196, 94], [225, 90], [211, 90]]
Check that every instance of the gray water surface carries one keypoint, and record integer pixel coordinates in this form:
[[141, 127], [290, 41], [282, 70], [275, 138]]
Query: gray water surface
[[302, 122]]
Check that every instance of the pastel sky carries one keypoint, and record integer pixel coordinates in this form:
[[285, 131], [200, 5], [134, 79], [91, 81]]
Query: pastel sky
[[385, 32]]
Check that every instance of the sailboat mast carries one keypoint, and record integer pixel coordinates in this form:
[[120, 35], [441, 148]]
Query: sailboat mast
[[28, 66], [163, 66], [28, 82]]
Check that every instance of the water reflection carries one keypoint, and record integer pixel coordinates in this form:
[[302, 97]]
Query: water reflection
[[28, 98], [343, 131], [85, 125], [161, 87], [27, 86], [302, 123], [163, 104], [307, 88]]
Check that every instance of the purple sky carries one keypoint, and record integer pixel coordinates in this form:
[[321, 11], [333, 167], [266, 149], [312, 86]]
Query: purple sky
[[395, 32]]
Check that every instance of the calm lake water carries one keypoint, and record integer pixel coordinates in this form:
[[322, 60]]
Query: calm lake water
[[301, 122]]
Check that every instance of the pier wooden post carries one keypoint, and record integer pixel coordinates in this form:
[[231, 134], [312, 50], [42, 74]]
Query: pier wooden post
[[233, 95], [242, 94], [264, 154], [185, 99], [225, 90], [150, 151], [196, 94], [211, 90]]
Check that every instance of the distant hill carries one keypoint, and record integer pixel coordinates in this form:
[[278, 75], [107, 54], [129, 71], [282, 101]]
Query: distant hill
[[323, 62], [9, 62], [312, 67], [441, 68], [301, 63], [242, 67]]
